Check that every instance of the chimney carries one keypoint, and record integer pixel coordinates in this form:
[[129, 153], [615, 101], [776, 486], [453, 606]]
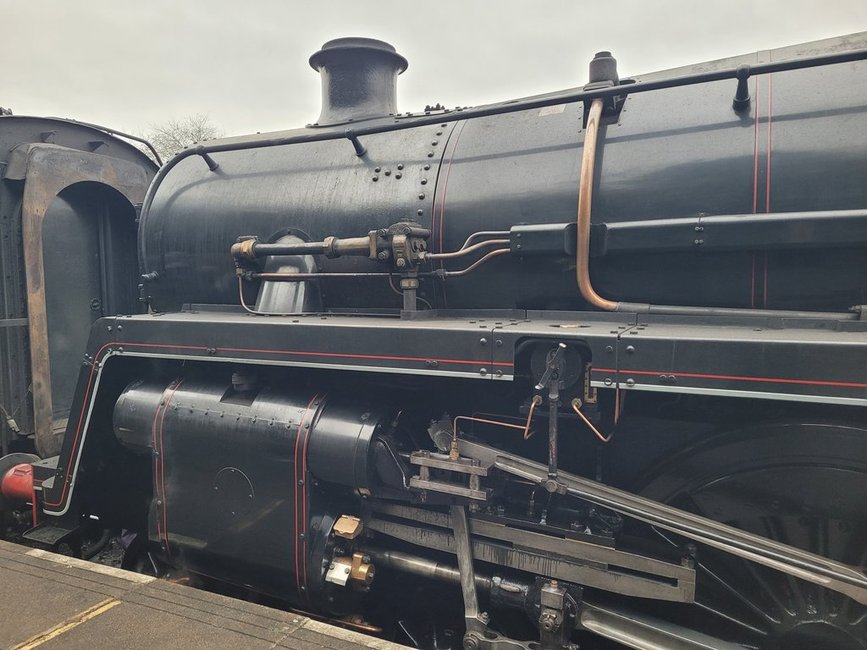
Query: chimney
[[359, 79]]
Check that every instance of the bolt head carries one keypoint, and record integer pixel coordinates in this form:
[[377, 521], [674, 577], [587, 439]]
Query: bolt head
[[471, 643]]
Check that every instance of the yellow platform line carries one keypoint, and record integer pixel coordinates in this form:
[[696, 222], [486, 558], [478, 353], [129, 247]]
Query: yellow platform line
[[69, 624]]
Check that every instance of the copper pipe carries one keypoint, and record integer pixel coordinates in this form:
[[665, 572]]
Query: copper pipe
[[478, 262], [466, 251], [484, 233], [582, 257], [596, 432], [468, 418], [263, 313], [585, 201], [524, 428], [537, 400]]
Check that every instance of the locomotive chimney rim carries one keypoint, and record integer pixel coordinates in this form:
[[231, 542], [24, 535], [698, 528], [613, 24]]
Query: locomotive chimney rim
[[359, 79]]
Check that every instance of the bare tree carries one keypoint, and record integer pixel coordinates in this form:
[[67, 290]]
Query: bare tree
[[173, 136]]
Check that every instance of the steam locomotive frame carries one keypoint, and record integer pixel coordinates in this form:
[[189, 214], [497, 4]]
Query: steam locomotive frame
[[276, 446]]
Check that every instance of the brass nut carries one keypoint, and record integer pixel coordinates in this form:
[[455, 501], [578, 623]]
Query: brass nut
[[361, 571]]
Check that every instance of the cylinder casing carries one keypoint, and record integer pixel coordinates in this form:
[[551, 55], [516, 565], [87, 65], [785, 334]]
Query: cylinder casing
[[239, 476]]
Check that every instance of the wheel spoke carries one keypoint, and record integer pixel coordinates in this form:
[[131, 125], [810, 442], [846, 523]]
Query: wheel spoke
[[739, 595], [716, 612], [772, 593], [779, 482], [848, 603], [775, 530], [731, 619], [820, 532]]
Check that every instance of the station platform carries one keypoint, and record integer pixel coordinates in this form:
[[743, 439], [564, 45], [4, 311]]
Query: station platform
[[51, 601]]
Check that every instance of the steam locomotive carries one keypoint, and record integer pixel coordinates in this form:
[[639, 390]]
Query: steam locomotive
[[581, 368]]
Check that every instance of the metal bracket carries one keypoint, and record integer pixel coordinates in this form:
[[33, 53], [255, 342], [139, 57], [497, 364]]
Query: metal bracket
[[461, 466]]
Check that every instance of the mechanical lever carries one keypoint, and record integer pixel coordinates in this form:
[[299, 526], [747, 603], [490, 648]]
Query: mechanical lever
[[551, 379]]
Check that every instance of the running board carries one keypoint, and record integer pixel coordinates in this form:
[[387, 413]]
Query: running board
[[784, 558]]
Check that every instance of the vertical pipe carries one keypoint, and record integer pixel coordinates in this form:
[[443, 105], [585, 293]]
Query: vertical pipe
[[585, 201]]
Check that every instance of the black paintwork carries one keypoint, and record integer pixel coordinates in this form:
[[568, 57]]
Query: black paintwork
[[227, 462], [233, 472], [765, 358], [675, 153]]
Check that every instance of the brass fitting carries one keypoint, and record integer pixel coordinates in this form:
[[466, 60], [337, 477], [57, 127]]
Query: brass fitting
[[347, 527]]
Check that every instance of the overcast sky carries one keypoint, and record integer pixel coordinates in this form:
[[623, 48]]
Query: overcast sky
[[131, 64]]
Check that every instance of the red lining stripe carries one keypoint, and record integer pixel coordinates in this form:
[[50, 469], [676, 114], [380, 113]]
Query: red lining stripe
[[767, 189], [68, 477], [304, 487], [343, 355], [768, 380], [442, 201], [442, 198], [755, 185], [756, 150], [304, 496], [768, 158], [162, 463], [159, 464], [156, 465]]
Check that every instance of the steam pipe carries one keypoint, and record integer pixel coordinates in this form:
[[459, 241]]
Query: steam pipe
[[585, 199], [582, 261], [466, 250], [298, 277]]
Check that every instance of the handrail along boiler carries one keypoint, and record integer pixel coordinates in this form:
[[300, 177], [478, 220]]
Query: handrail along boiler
[[595, 356]]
